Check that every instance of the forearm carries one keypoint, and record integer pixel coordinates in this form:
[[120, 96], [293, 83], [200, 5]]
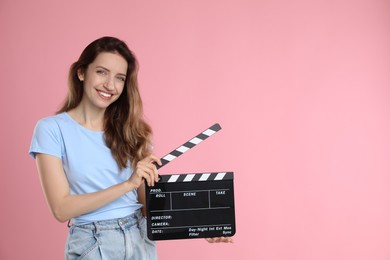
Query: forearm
[[66, 206], [72, 206]]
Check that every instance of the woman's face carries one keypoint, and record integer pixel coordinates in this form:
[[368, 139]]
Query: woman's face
[[103, 80]]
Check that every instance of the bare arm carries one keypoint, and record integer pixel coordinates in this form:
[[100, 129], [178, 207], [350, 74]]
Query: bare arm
[[142, 198], [65, 206]]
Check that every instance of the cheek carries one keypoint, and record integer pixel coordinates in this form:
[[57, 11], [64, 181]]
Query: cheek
[[120, 93], [89, 86], [91, 82], [121, 89]]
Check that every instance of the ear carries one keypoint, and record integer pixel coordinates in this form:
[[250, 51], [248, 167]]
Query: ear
[[80, 74]]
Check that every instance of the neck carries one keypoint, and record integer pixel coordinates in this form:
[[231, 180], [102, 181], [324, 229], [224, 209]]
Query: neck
[[90, 119]]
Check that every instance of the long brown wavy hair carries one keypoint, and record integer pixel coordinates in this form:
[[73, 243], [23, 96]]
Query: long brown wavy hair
[[125, 130]]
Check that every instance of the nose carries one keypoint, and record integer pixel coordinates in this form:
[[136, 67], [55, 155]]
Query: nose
[[109, 83]]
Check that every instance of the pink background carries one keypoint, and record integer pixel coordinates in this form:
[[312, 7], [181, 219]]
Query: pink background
[[301, 89]]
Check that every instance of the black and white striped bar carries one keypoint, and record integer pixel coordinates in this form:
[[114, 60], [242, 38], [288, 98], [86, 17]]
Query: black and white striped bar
[[188, 145], [197, 177]]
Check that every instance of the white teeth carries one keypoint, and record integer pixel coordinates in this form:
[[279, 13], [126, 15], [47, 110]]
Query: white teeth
[[104, 94]]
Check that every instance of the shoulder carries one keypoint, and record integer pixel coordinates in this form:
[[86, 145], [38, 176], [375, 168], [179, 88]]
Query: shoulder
[[55, 119], [52, 125], [53, 122], [47, 136]]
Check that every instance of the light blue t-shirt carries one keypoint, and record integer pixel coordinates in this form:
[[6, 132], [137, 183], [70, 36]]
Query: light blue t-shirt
[[87, 161]]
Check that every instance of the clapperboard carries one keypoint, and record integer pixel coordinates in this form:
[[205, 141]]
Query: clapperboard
[[194, 205]]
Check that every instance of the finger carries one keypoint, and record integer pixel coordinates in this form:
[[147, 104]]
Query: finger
[[148, 179], [152, 171], [227, 240], [152, 166], [155, 159], [212, 239], [219, 240], [144, 172], [155, 173]]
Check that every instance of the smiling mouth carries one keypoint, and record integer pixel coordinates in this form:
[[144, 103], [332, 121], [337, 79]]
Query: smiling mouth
[[105, 95]]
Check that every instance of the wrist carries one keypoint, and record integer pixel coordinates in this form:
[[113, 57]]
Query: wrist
[[129, 186]]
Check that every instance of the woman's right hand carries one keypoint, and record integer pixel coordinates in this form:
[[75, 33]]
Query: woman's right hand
[[145, 170]]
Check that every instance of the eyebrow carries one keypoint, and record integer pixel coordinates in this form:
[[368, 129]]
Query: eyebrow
[[102, 67]]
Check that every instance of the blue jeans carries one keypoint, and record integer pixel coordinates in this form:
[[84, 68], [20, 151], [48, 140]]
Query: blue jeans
[[123, 238]]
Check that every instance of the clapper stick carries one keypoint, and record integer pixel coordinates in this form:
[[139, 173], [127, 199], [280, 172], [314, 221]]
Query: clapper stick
[[188, 145]]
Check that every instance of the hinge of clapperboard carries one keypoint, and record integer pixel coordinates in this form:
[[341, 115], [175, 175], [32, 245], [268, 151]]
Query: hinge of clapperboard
[[188, 145]]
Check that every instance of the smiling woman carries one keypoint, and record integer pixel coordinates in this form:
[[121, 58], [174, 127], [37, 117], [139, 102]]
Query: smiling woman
[[94, 155]]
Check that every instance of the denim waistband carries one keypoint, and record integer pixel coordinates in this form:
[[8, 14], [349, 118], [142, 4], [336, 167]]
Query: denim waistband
[[127, 221]]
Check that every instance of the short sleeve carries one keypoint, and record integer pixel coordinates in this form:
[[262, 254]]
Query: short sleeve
[[46, 138]]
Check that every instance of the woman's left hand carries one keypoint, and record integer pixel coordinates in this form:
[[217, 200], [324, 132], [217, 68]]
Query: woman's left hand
[[219, 240]]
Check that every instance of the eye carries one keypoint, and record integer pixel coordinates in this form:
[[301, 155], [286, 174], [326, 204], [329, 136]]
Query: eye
[[101, 72], [121, 78]]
